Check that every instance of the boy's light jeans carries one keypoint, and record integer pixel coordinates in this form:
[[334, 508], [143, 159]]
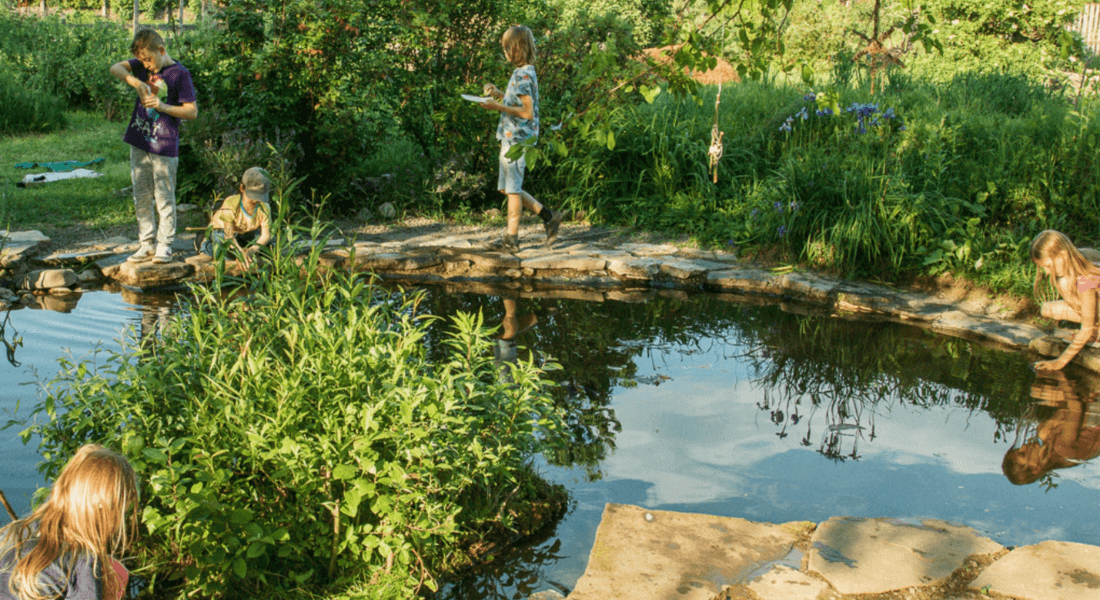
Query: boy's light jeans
[[154, 180]]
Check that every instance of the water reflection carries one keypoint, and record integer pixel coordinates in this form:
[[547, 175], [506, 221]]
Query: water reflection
[[1060, 430]]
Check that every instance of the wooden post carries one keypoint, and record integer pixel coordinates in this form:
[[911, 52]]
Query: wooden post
[[137, 11], [106, 10], [180, 28], [45, 11]]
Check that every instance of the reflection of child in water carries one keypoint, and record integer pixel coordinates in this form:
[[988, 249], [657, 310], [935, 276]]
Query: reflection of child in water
[[1069, 437], [512, 325]]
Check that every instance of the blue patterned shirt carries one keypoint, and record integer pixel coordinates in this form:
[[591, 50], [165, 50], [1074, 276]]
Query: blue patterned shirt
[[513, 130]]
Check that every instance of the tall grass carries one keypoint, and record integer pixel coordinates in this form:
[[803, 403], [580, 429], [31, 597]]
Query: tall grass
[[933, 177]]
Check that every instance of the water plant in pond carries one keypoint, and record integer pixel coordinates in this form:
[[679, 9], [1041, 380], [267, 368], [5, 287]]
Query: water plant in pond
[[299, 435]]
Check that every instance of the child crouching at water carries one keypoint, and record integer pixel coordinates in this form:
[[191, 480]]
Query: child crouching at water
[[67, 547], [518, 105], [1072, 272]]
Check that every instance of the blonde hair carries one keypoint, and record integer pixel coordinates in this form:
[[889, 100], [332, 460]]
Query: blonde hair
[[92, 509], [519, 45], [1065, 257]]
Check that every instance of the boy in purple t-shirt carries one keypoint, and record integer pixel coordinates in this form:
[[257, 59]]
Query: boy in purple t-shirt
[[166, 96]]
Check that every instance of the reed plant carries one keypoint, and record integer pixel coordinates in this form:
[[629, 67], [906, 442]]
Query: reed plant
[[292, 435]]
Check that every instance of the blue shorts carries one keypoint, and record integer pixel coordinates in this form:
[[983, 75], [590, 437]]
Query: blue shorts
[[510, 180]]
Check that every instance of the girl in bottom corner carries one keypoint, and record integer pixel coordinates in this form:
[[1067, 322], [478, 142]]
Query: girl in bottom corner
[[1073, 272], [69, 546]]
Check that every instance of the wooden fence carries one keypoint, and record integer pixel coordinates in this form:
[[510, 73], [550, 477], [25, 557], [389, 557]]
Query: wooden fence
[[1088, 25]]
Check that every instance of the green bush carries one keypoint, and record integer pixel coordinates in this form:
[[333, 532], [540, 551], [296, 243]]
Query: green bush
[[68, 60], [24, 110], [297, 435]]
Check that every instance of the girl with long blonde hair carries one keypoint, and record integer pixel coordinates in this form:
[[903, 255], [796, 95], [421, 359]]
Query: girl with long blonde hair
[[67, 547], [1076, 278]]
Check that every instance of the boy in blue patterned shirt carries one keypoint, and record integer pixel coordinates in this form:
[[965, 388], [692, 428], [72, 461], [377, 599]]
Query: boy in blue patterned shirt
[[519, 120]]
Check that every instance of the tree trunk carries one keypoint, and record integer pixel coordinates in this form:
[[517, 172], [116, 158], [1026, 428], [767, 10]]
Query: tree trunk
[[45, 11], [106, 9], [137, 11], [181, 16]]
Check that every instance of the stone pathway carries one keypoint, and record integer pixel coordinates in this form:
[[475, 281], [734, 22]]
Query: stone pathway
[[660, 555], [584, 258]]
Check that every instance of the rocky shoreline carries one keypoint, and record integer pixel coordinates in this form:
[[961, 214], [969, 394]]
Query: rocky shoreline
[[593, 262]]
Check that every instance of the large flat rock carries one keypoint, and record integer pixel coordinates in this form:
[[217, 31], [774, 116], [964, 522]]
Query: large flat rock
[[785, 583], [149, 275], [1045, 571], [873, 556], [658, 555]]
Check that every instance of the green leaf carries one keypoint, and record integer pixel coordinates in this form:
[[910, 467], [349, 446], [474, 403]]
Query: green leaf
[[344, 472], [255, 549], [610, 140], [240, 516], [155, 455], [240, 567]]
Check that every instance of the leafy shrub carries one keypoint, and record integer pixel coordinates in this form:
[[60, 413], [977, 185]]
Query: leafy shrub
[[24, 110], [298, 434], [67, 60]]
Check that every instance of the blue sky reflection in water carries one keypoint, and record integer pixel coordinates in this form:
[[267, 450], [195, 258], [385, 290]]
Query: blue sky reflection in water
[[718, 416], [95, 319], [699, 404]]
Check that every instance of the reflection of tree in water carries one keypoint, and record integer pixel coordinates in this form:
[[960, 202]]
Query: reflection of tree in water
[[851, 369], [10, 344]]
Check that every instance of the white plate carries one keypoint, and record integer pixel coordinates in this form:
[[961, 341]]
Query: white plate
[[478, 99]]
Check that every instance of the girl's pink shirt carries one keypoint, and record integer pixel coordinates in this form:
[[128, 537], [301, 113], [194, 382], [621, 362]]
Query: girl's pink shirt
[[123, 578], [1087, 283]]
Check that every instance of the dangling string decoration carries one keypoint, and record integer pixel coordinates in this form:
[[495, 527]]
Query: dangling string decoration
[[716, 149]]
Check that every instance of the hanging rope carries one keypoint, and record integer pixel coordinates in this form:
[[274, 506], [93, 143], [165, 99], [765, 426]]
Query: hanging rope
[[716, 149]]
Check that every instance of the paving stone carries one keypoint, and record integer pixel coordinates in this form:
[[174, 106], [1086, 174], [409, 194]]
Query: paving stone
[[634, 267], [654, 554], [689, 268], [150, 275], [809, 286], [104, 244], [1045, 571], [874, 556], [394, 261], [785, 583], [482, 259], [564, 261], [649, 249], [76, 258], [46, 279], [753, 281], [546, 595], [18, 246]]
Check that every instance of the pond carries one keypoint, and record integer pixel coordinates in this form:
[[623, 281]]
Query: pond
[[724, 406]]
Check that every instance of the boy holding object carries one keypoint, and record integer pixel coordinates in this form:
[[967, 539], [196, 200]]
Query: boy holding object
[[245, 218], [166, 95], [519, 120]]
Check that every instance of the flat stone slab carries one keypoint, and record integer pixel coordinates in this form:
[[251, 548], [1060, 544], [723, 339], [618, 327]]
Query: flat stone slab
[[1045, 571], [149, 275], [785, 583], [659, 555], [873, 556]]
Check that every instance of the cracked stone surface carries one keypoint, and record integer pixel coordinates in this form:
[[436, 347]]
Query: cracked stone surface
[[1045, 571], [658, 555], [785, 583], [868, 556]]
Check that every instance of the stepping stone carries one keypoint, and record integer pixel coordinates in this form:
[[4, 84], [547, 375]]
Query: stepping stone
[[873, 556], [149, 275], [1045, 571], [649, 249], [634, 267], [563, 261], [754, 281], [47, 278], [785, 583], [76, 258], [686, 268], [656, 554], [18, 245]]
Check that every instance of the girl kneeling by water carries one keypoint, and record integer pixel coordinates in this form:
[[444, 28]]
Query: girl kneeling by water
[[67, 547], [1076, 277]]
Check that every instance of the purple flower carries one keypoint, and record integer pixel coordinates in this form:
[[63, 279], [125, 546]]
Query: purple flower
[[779, 206], [794, 207], [755, 212], [802, 114], [810, 97], [889, 114], [824, 112], [781, 230]]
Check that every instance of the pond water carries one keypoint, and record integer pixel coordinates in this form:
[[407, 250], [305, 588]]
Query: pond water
[[702, 404]]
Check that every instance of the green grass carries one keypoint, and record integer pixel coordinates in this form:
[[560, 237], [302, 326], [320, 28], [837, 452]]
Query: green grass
[[78, 202]]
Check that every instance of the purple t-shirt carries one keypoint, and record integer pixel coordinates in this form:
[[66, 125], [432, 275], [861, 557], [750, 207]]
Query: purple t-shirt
[[149, 130]]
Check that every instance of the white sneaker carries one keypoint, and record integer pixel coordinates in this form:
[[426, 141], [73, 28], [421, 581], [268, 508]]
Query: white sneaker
[[144, 253], [163, 255]]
